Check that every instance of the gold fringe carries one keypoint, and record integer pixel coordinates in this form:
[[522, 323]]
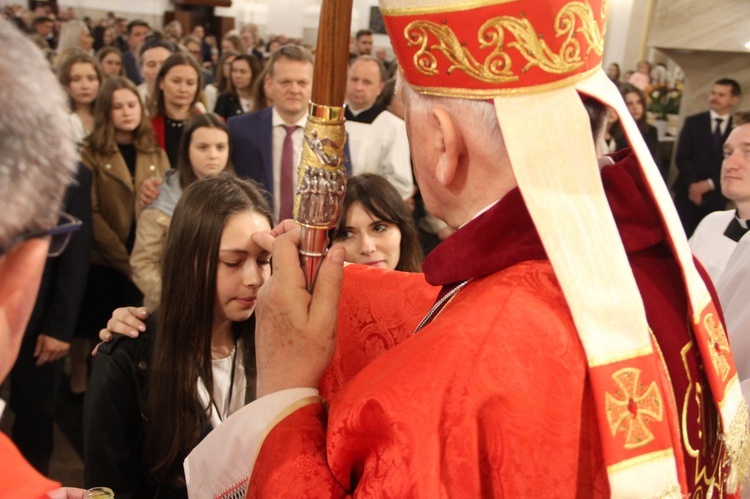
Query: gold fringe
[[737, 442], [672, 492]]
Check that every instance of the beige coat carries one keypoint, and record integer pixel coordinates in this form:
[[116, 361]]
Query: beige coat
[[145, 260], [114, 202]]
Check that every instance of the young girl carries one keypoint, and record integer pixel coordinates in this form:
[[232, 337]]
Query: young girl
[[174, 100], [375, 226], [154, 398], [238, 98], [111, 61], [121, 153], [81, 75], [204, 151]]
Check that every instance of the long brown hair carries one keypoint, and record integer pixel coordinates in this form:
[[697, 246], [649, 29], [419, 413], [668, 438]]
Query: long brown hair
[[379, 198], [182, 342], [65, 64], [102, 140], [220, 81], [184, 167], [156, 105], [254, 64]]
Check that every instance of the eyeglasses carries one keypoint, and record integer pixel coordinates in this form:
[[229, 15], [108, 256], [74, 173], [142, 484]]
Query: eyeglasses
[[60, 235]]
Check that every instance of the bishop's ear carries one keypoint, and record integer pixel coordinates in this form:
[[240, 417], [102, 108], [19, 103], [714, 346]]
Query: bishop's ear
[[451, 147]]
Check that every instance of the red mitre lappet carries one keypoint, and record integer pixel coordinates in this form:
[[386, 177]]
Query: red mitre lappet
[[534, 59]]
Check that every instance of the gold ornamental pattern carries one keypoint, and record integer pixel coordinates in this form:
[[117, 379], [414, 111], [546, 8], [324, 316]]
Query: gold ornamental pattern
[[719, 346], [320, 191], [573, 19], [632, 407]]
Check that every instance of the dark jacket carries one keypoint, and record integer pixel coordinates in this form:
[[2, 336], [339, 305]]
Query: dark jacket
[[114, 427], [228, 105]]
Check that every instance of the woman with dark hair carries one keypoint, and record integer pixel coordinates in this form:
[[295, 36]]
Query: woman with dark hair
[[204, 151], [376, 228], [613, 72], [238, 98], [222, 73], [176, 96], [121, 153], [636, 103], [153, 399], [111, 61], [81, 76]]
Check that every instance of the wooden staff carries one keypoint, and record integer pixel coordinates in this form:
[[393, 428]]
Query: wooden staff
[[321, 173]]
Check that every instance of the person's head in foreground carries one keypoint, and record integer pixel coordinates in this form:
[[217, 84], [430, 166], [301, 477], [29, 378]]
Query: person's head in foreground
[[375, 227], [37, 160]]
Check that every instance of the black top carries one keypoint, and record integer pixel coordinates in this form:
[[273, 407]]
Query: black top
[[128, 152], [228, 105], [367, 116], [172, 137], [114, 422]]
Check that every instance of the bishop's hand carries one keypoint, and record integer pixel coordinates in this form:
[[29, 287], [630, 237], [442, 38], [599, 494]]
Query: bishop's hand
[[295, 335]]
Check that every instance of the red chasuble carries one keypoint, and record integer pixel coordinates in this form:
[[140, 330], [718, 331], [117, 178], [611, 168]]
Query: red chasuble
[[18, 479], [491, 398]]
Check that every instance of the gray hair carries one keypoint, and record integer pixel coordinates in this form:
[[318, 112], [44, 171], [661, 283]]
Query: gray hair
[[468, 113], [37, 155], [70, 35]]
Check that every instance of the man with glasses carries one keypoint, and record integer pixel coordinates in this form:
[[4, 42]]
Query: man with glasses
[[38, 160]]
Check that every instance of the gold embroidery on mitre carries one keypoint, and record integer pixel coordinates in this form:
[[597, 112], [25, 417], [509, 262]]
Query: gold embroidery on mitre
[[633, 407], [719, 346], [497, 66]]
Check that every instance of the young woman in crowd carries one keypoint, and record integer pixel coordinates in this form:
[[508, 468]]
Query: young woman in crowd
[[153, 399], [175, 99], [636, 103], [204, 151], [104, 36], [111, 61], [81, 75], [222, 74], [232, 41], [121, 153], [75, 34], [238, 98], [375, 227]]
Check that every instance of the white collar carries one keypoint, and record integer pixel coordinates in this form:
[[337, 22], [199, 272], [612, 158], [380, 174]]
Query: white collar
[[277, 120]]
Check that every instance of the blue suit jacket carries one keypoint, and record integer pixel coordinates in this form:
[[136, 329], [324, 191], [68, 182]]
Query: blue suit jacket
[[252, 148]]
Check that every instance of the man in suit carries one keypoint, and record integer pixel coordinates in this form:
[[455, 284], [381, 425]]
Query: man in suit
[[266, 140], [699, 156], [137, 32]]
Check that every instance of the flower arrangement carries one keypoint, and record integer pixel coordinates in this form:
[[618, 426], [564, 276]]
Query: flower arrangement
[[664, 99]]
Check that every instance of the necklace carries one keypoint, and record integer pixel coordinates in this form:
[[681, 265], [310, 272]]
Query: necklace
[[438, 306]]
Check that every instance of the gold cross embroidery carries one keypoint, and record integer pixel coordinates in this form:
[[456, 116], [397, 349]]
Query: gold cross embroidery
[[633, 407], [719, 346]]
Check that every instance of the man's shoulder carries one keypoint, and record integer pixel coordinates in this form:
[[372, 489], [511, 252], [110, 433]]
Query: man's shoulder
[[695, 118], [254, 119], [712, 225]]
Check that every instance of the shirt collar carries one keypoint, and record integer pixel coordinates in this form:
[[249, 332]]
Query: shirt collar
[[360, 111], [277, 120], [714, 115]]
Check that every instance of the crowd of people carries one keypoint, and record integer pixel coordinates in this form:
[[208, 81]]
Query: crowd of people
[[184, 150]]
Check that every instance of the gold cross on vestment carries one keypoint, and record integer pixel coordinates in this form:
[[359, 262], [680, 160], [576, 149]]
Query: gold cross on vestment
[[633, 407], [719, 346]]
